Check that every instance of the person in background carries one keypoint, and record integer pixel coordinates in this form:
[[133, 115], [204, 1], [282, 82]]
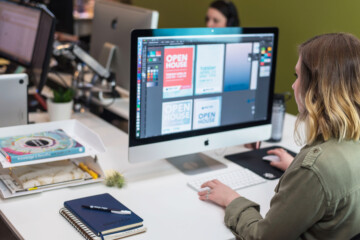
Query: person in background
[[318, 195], [222, 13]]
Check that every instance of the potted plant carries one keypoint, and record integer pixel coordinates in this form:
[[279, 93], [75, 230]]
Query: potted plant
[[60, 106]]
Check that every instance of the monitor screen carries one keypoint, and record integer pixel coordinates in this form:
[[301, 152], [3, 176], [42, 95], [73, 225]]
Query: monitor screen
[[113, 23], [18, 29], [194, 90], [26, 37]]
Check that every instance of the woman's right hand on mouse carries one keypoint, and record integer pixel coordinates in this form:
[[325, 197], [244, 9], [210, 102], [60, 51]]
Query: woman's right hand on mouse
[[285, 158]]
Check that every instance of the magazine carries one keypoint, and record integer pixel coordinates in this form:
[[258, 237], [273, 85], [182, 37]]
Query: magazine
[[44, 175], [39, 145]]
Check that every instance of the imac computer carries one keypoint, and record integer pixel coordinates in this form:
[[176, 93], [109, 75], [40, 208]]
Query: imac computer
[[113, 23], [26, 38], [198, 89]]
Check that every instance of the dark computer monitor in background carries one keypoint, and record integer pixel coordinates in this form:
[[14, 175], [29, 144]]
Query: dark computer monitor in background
[[113, 23], [63, 11], [199, 89], [26, 38]]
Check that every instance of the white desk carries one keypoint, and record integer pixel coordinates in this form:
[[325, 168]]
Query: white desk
[[156, 191]]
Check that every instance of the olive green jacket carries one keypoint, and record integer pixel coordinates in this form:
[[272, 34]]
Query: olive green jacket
[[318, 197]]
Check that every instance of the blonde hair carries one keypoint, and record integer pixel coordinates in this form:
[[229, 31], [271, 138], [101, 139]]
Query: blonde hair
[[330, 87]]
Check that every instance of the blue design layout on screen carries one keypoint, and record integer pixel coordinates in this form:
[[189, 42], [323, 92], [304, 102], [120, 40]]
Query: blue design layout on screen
[[209, 68], [238, 66], [207, 112], [187, 83]]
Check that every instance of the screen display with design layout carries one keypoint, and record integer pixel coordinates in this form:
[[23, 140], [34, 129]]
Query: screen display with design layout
[[192, 82]]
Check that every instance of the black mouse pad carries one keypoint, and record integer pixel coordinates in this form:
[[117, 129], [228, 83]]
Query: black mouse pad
[[253, 161]]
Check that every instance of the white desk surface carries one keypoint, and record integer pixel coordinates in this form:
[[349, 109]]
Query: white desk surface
[[155, 190]]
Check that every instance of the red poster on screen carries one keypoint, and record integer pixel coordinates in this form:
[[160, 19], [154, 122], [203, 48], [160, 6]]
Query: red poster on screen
[[178, 71]]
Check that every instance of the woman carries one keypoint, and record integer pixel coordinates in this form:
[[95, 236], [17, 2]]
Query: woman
[[318, 196], [222, 13]]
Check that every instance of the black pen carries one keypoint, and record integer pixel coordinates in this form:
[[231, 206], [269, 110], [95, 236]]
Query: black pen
[[105, 209]]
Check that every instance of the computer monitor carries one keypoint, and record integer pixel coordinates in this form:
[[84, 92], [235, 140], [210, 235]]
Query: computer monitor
[[26, 37], [113, 23], [198, 89], [63, 11]]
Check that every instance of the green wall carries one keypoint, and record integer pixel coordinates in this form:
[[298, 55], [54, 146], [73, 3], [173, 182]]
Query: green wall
[[297, 21]]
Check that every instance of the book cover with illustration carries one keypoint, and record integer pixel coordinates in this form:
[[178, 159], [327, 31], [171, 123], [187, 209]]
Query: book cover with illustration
[[178, 71], [207, 112], [209, 68], [39, 145], [176, 116]]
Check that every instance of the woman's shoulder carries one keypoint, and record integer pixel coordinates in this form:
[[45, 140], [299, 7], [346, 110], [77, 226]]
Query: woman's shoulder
[[334, 163], [329, 159], [327, 152]]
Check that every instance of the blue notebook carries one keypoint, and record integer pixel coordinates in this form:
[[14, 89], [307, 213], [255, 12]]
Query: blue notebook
[[100, 222]]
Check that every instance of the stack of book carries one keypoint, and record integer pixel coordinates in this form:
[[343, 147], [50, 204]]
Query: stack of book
[[102, 217], [43, 175]]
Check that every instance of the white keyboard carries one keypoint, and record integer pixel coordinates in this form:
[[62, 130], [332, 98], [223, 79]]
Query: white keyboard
[[235, 179]]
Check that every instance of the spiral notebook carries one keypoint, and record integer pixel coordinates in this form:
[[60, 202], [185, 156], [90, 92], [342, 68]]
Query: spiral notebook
[[90, 235], [102, 222]]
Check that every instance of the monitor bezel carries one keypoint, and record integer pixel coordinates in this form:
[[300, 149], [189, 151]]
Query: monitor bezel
[[133, 141], [49, 49]]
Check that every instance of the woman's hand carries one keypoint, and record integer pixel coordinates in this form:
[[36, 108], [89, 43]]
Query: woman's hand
[[253, 145], [64, 37], [285, 158], [218, 192]]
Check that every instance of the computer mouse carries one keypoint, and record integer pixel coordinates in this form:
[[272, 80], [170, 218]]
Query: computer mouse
[[271, 158]]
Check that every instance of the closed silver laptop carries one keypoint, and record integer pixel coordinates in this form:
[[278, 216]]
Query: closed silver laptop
[[13, 99]]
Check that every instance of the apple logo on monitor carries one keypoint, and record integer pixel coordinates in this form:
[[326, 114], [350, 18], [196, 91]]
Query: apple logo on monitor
[[114, 23], [206, 142]]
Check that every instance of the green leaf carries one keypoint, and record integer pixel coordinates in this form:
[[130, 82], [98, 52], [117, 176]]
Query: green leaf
[[62, 96]]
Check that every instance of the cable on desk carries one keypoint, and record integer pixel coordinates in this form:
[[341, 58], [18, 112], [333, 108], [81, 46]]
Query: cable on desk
[[109, 104], [60, 77]]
